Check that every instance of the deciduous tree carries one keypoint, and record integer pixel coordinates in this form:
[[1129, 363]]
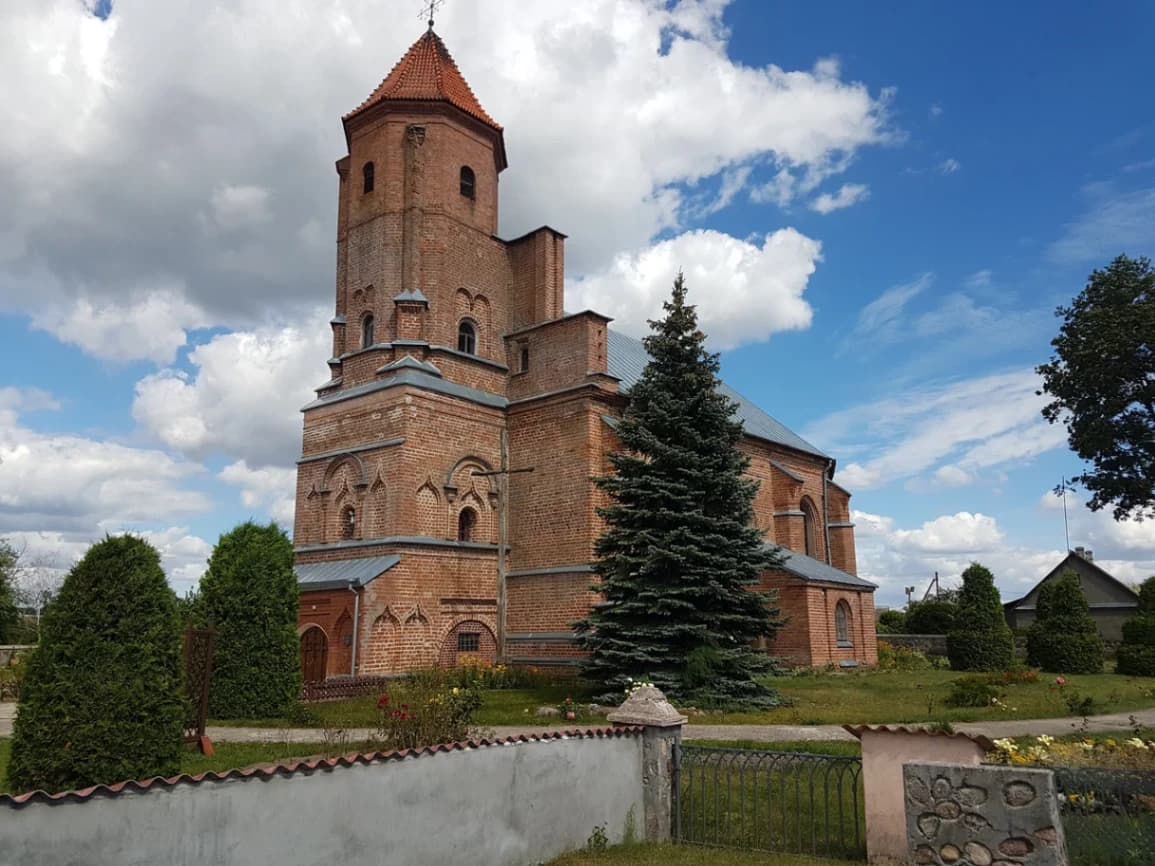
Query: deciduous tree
[[1101, 381]]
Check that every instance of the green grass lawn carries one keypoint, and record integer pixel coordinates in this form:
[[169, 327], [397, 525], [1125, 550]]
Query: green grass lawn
[[865, 697], [685, 855], [873, 697]]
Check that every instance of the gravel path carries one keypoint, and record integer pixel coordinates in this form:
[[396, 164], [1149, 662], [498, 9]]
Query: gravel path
[[763, 733]]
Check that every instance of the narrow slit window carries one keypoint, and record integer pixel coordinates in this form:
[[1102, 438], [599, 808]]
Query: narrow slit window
[[842, 624], [366, 332], [468, 182], [348, 522], [367, 172], [524, 359]]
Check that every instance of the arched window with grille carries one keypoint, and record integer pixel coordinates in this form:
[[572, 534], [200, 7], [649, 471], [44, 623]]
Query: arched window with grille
[[468, 182], [367, 172], [842, 624], [467, 337], [810, 528], [367, 331], [466, 525]]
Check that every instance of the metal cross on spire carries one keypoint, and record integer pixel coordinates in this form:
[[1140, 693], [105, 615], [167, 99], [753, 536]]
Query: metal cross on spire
[[429, 7]]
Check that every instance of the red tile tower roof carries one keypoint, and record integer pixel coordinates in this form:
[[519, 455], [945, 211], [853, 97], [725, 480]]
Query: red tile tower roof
[[427, 73]]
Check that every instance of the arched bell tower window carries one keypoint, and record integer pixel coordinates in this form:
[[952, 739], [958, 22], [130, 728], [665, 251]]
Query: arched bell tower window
[[468, 182], [466, 524], [810, 528], [842, 624], [367, 331], [367, 171], [467, 337], [348, 522]]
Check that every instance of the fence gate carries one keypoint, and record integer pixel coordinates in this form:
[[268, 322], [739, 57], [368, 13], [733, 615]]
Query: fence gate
[[198, 672], [770, 801]]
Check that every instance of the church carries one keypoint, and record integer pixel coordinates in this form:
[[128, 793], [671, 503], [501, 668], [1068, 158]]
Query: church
[[444, 503]]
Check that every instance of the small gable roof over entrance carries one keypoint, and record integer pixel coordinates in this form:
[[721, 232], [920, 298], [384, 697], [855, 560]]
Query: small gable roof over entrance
[[343, 572]]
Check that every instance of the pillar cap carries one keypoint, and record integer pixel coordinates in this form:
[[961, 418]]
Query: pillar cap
[[647, 706]]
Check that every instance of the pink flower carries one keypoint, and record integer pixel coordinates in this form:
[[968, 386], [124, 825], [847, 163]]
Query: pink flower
[[1060, 681]]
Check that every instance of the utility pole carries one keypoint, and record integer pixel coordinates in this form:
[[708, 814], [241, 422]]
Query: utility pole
[[501, 476], [909, 595]]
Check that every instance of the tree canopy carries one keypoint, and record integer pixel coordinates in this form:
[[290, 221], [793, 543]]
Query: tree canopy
[[1101, 381], [679, 554], [9, 616]]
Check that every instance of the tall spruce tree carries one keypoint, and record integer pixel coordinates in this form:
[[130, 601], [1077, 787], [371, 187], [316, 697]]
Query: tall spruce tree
[[249, 595], [679, 554]]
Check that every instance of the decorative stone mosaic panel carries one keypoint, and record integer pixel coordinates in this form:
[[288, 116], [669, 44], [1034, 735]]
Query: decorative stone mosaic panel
[[990, 815]]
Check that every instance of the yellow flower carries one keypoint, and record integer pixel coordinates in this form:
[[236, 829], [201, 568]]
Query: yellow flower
[[456, 690]]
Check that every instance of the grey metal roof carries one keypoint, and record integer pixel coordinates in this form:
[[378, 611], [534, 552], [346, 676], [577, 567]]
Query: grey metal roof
[[627, 358], [409, 362], [416, 378], [343, 572], [809, 568]]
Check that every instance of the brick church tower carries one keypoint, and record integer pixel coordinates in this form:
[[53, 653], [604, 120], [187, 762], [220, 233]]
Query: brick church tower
[[452, 361]]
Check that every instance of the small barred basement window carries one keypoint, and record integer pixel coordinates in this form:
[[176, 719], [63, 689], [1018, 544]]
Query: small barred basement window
[[468, 641]]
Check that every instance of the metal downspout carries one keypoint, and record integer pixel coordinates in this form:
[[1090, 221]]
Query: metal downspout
[[826, 511], [356, 627]]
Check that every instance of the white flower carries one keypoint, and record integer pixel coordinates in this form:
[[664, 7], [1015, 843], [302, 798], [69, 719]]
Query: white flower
[[1045, 740], [1136, 743]]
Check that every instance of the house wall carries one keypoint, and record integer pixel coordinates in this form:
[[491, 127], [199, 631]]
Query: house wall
[[436, 808]]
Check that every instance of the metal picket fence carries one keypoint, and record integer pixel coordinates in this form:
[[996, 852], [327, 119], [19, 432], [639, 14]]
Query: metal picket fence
[[1108, 815], [770, 801]]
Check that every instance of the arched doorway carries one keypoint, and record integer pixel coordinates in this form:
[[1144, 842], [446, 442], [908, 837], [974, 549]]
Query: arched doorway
[[314, 655]]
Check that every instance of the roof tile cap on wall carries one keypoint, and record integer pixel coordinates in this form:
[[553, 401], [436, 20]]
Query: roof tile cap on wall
[[983, 742], [306, 766]]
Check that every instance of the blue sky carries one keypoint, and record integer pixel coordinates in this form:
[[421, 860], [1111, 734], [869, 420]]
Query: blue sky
[[878, 210]]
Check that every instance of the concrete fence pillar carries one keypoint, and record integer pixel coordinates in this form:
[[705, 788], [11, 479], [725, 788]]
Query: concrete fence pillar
[[647, 707]]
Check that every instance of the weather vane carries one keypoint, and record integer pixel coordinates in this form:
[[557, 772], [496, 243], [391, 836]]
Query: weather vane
[[429, 8]]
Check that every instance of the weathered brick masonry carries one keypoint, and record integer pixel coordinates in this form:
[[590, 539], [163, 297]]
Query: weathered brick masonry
[[450, 345]]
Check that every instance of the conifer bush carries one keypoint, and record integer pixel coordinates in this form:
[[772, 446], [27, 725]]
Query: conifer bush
[[1063, 639], [249, 596], [1136, 656], [981, 640], [101, 699]]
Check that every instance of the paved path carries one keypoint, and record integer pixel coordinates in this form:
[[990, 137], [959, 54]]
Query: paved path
[[763, 733]]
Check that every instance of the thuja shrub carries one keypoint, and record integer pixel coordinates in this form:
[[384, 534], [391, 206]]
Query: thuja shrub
[[101, 700], [980, 639], [1064, 638], [249, 596], [1136, 656]]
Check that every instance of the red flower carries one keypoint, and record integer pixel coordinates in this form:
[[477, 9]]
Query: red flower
[[382, 702], [405, 706], [1060, 681], [404, 716]]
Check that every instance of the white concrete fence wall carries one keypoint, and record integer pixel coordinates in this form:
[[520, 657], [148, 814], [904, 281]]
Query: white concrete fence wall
[[512, 803]]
